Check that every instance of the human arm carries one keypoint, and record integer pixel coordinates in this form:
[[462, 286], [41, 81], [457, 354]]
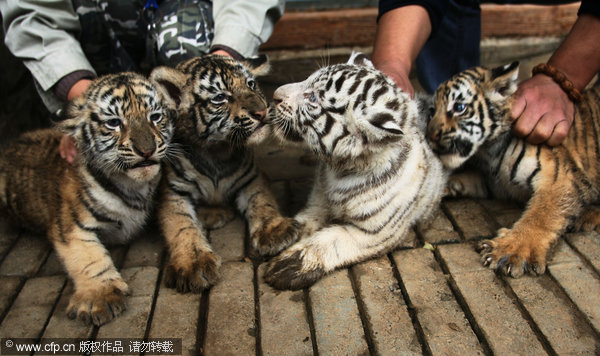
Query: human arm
[[542, 110], [242, 26], [402, 30], [398, 42], [42, 35]]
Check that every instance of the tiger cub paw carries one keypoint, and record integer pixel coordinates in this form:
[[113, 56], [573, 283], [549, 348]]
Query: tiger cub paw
[[214, 217], [275, 235], [513, 255], [99, 305], [193, 275], [589, 220], [289, 270]]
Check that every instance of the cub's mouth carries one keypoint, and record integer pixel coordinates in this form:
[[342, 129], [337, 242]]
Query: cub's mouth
[[145, 163]]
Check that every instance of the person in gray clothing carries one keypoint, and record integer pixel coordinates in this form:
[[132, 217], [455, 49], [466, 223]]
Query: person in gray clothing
[[65, 44]]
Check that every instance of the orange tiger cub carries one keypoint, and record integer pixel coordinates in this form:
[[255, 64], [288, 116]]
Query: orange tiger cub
[[123, 133], [472, 122]]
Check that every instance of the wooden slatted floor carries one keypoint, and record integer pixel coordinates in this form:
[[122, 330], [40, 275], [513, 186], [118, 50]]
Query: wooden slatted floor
[[415, 300]]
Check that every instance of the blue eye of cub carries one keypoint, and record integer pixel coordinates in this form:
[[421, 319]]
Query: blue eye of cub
[[251, 84], [459, 108], [311, 97], [155, 117], [219, 98], [113, 123]]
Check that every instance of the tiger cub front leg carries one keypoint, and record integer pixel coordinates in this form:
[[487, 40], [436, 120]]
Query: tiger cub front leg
[[269, 231], [100, 291], [193, 266], [523, 248], [467, 184]]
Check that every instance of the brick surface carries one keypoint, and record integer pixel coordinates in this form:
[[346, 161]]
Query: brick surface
[[30, 311], [496, 314], [390, 324], [471, 218], [446, 329], [228, 241], [231, 328], [338, 327], [26, 257], [283, 317], [540, 295]]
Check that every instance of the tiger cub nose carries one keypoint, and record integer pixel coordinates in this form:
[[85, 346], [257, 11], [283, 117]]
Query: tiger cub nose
[[259, 115]]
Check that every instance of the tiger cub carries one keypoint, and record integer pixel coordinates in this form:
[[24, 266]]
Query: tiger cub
[[123, 133], [472, 122], [220, 112], [376, 179]]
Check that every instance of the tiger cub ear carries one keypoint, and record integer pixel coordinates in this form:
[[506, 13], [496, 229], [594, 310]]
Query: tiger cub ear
[[71, 115], [259, 65], [386, 122], [170, 83], [359, 59], [503, 79]]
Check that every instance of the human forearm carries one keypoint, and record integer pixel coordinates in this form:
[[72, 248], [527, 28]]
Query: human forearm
[[578, 57], [41, 33], [401, 33]]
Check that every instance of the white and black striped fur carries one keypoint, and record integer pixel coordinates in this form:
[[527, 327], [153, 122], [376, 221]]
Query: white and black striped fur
[[376, 179], [472, 123]]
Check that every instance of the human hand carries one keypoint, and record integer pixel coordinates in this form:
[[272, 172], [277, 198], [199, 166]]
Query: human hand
[[398, 74], [542, 111], [67, 148], [78, 88], [221, 52]]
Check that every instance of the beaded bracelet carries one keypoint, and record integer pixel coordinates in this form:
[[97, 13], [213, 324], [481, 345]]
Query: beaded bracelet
[[565, 84]]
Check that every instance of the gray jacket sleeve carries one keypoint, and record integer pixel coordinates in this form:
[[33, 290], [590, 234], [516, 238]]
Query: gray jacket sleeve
[[244, 25], [42, 35]]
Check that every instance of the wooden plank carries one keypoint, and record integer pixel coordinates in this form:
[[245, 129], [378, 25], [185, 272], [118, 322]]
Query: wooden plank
[[132, 323], [283, 320], [32, 308], [176, 316], [230, 326], [338, 327], [390, 324], [445, 326], [500, 320], [356, 27], [527, 20]]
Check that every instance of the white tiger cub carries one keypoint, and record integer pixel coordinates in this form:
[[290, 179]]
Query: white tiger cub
[[377, 176]]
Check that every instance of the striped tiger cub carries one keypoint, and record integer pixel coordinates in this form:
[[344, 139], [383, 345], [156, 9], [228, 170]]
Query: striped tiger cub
[[472, 122], [221, 111], [376, 179], [123, 133]]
